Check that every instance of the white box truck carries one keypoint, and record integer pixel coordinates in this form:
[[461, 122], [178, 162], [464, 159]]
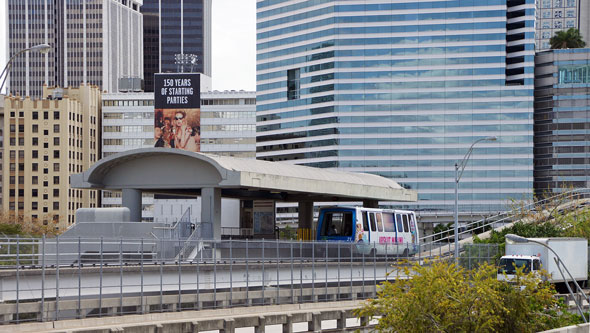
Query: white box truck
[[535, 257]]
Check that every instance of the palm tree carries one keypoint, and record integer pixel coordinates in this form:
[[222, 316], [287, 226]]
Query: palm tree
[[569, 39]]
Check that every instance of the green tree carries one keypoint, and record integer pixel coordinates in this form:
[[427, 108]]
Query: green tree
[[441, 297], [568, 39]]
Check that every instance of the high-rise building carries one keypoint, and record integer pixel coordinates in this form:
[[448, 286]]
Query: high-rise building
[[558, 15], [48, 140], [402, 89], [174, 27], [93, 42], [562, 120]]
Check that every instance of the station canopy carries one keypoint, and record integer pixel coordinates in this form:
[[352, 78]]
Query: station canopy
[[177, 172]]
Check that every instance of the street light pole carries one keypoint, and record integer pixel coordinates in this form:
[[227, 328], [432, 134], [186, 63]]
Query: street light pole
[[43, 48], [459, 168]]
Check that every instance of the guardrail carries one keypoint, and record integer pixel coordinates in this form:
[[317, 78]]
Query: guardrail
[[491, 222], [65, 278]]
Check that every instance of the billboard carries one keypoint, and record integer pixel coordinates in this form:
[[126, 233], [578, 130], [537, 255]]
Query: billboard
[[177, 104]]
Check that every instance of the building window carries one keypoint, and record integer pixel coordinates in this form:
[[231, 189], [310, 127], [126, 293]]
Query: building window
[[12, 180], [35, 115], [45, 183], [35, 154], [56, 153], [56, 115], [293, 83], [35, 167], [35, 141], [35, 180], [55, 205], [34, 205], [45, 145], [12, 128], [56, 141], [35, 129], [45, 171], [55, 180], [21, 167], [56, 128], [21, 141], [35, 192], [45, 210], [56, 167], [21, 128], [46, 115], [55, 192]]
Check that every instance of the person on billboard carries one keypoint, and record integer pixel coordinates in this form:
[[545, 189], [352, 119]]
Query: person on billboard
[[183, 134]]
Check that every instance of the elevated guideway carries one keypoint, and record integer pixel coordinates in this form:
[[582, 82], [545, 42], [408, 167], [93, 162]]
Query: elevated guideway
[[442, 243]]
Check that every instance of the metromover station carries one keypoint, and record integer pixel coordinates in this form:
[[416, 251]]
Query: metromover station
[[175, 172]]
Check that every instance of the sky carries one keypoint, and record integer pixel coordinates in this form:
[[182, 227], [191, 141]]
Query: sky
[[233, 43]]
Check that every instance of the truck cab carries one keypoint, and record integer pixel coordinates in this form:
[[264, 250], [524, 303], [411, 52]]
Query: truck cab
[[509, 264]]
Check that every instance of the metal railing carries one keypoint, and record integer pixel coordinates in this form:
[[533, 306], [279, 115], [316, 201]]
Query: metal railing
[[477, 227], [45, 279]]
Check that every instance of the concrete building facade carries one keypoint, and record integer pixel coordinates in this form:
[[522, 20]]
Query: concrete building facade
[[562, 120], [47, 140], [558, 15], [92, 42], [402, 89]]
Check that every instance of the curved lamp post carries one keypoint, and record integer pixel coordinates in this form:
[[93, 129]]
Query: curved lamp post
[[459, 168], [43, 48], [519, 239]]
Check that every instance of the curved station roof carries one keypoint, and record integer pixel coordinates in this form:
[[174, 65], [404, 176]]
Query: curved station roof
[[178, 172]]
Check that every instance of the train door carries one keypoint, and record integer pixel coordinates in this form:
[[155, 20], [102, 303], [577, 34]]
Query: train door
[[363, 233]]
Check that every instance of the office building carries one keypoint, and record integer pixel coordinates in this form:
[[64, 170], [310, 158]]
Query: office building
[[93, 42], [402, 89], [562, 120], [48, 140], [228, 127], [175, 27], [558, 15]]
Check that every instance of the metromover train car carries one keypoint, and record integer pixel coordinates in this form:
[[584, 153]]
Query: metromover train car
[[374, 231]]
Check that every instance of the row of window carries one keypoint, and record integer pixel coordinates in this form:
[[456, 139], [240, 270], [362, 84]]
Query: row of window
[[228, 114], [229, 101], [128, 102], [128, 115], [343, 20], [128, 129], [229, 127]]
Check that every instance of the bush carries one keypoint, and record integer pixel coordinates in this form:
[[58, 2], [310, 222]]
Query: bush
[[441, 297]]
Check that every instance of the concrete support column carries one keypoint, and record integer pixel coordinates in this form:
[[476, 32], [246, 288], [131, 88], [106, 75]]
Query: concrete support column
[[305, 214], [132, 200], [371, 203], [211, 212]]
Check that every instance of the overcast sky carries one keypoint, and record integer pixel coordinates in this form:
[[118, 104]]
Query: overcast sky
[[234, 43]]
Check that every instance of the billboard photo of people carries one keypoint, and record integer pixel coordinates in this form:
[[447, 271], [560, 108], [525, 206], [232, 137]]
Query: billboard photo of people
[[177, 119]]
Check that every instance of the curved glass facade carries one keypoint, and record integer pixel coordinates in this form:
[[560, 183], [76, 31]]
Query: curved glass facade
[[402, 89]]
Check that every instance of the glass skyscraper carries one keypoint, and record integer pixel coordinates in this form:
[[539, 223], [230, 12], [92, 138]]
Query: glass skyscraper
[[175, 27], [92, 42], [562, 120], [402, 89]]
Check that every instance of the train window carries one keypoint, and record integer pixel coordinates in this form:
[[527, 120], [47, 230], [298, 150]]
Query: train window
[[372, 220], [337, 224], [365, 222], [406, 225], [398, 220], [379, 222], [388, 222]]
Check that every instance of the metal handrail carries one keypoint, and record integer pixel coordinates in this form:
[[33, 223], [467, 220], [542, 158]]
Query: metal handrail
[[491, 220]]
